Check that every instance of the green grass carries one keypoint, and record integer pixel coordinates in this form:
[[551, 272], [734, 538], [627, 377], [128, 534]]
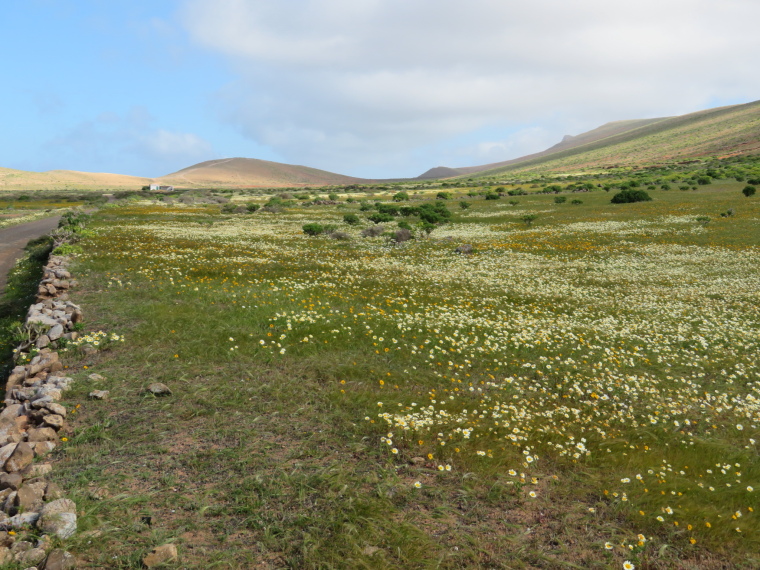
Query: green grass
[[284, 352]]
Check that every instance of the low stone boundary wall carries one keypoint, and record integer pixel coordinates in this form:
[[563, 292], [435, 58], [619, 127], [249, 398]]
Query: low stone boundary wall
[[29, 426]]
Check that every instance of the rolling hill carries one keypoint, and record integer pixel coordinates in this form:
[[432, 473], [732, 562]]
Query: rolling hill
[[238, 172], [724, 131], [11, 179]]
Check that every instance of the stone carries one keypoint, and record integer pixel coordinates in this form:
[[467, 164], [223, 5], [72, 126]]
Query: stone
[[6, 539], [10, 481], [161, 555], [417, 461], [11, 412], [99, 394], [59, 559], [21, 546], [89, 350], [40, 434], [6, 451], [56, 408], [38, 470], [5, 555], [31, 556], [58, 518], [53, 492], [9, 505], [23, 519], [159, 389], [54, 421], [42, 448], [30, 497], [464, 248], [45, 543], [8, 430], [20, 459], [42, 341]]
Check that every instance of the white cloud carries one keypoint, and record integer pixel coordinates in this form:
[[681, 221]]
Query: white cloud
[[350, 81], [126, 144]]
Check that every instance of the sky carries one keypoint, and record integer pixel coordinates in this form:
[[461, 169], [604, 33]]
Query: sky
[[369, 88]]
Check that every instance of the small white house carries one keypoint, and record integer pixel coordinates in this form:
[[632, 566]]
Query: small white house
[[159, 188]]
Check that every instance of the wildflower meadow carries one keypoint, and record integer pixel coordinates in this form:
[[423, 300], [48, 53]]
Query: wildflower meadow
[[578, 390]]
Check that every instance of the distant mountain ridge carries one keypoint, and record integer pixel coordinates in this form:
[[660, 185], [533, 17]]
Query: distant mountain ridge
[[723, 131]]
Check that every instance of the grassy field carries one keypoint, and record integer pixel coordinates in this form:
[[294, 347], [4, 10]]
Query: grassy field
[[580, 392]]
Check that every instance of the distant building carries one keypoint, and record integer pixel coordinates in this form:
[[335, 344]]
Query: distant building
[[159, 188]]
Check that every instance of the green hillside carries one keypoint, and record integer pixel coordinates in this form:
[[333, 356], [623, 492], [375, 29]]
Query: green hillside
[[721, 132]]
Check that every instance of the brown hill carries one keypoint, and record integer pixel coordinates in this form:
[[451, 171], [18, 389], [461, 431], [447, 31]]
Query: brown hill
[[11, 179], [240, 172]]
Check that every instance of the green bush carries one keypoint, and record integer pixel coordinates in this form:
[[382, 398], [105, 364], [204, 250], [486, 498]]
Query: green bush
[[351, 219], [576, 201], [749, 191], [334, 197], [380, 218], [404, 225], [251, 207], [704, 180], [401, 197], [529, 219], [560, 199], [628, 196], [443, 195], [313, 229], [492, 196], [464, 205]]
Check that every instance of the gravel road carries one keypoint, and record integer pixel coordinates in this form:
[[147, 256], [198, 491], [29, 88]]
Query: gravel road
[[13, 240]]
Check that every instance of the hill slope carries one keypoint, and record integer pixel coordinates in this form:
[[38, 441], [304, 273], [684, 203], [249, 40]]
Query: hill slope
[[724, 131], [232, 172], [11, 179]]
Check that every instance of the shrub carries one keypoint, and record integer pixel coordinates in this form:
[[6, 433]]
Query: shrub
[[492, 196], [351, 219], [704, 220], [340, 236], [560, 199], [749, 191], [529, 219], [427, 227], [513, 202], [380, 218], [728, 213], [387, 209], [409, 211], [751, 181], [334, 197], [665, 186], [436, 213], [404, 225], [229, 208], [373, 231], [464, 205], [365, 206], [313, 229], [704, 180], [517, 192], [576, 201], [251, 207], [443, 195], [401, 197], [628, 196]]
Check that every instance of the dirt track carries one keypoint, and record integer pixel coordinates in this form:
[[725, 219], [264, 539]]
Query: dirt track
[[13, 240]]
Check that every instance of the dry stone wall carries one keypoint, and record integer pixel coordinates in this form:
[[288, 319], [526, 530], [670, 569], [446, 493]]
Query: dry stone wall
[[30, 424]]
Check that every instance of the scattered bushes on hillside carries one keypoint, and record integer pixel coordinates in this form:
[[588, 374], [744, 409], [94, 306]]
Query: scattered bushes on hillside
[[628, 196]]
